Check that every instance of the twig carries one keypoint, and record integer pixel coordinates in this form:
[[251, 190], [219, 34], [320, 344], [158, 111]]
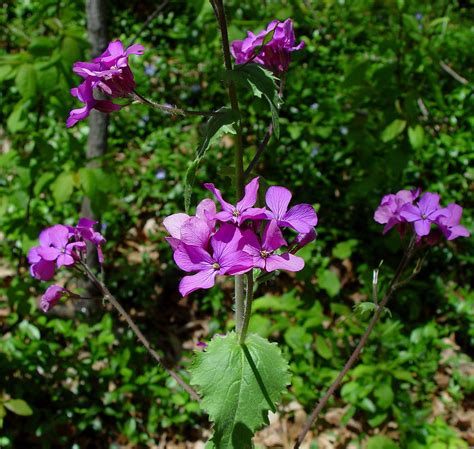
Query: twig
[[158, 9], [170, 109], [454, 74], [260, 150], [109, 297], [354, 356]]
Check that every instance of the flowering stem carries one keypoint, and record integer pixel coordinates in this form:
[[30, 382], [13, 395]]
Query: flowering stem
[[393, 286], [109, 297], [247, 308], [170, 109], [239, 149]]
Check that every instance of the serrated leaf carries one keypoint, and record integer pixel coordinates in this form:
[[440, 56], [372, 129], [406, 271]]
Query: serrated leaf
[[393, 130], [416, 136], [19, 407], [26, 81], [215, 127], [63, 186], [262, 83], [239, 384], [365, 307]]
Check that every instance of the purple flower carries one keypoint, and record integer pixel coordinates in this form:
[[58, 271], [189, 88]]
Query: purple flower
[[449, 224], [160, 174], [109, 72], [85, 231], [263, 254], [244, 209], [301, 217], [54, 250], [227, 257], [302, 239], [424, 213], [51, 297], [275, 54], [388, 212], [85, 94]]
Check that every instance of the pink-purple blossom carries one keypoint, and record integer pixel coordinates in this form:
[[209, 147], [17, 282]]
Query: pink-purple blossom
[[274, 54], [51, 297], [110, 73], [388, 212], [449, 224]]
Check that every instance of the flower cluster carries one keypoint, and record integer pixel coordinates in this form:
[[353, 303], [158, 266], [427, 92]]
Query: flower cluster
[[110, 74], [238, 238], [59, 246], [422, 211], [274, 54]]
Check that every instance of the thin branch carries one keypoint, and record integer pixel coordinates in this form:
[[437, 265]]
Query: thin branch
[[247, 307], [354, 356], [158, 9], [452, 73], [109, 297], [260, 150], [170, 109]]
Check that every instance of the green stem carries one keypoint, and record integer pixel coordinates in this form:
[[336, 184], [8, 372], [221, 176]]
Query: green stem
[[247, 308], [239, 149]]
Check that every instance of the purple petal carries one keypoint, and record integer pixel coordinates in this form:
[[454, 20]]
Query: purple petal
[[422, 227], [206, 210], [51, 297], [225, 242], [174, 243], [253, 213], [204, 279], [277, 199], [59, 235], [173, 224], [195, 232], [240, 263], [272, 237], [410, 213], [135, 49], [224, 216], [250, 197], [301, 217], [224, 204], [43, 270], [458, 231], [428, 203], [192, 258], [33, 255], [65, 259], [49, 254], [287, 262]]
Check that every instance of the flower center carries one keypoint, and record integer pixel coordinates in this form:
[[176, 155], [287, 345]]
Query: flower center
[[264, 253], [216, 266], [236, 213], [424, 216]]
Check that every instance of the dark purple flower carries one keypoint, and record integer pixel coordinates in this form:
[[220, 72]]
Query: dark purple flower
[[449, 224], [226, 257], [263, 254], [54, 249], [85, 94], [388, 212], [301, 217], [51, 297], [244, 209], [424, 213], [275, 54]]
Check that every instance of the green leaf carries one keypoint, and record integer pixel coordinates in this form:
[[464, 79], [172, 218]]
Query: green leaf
[[297, 338], [323, 348], [215, 127], [17, 120], [41, 46], [7, 72], [63, 186], [381, 442], [365, 307], [329, 281], [262, 84], [26, 81], [384, 395], [377, 419], [393, 130], [239, 384], [284, 303], [19, 407], [343, 250], [30, 330], [416, 136]]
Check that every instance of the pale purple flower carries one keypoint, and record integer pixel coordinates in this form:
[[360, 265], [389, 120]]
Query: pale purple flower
[[54, 250], [51, 297], [85, 94], [424, 213], [301, 218], [160, 174], [264, 255], [449, 224], [275, 54], [226, 257], [388, 212], [244, 209]]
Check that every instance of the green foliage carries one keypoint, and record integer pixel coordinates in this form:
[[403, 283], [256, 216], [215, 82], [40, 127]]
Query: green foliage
[[239, 394]]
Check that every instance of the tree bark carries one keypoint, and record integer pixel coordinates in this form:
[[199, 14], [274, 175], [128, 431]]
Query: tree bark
[[97, 139]]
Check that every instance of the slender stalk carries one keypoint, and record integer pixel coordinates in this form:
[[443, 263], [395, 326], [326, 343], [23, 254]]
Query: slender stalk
[[394, 284], [170, 109], [239, 149], [247, 308], [109, 297]]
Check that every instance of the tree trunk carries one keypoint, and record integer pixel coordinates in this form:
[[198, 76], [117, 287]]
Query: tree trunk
[[97, 139]]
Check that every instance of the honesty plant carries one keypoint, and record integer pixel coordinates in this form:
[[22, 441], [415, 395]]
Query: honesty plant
[[237, 377]]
